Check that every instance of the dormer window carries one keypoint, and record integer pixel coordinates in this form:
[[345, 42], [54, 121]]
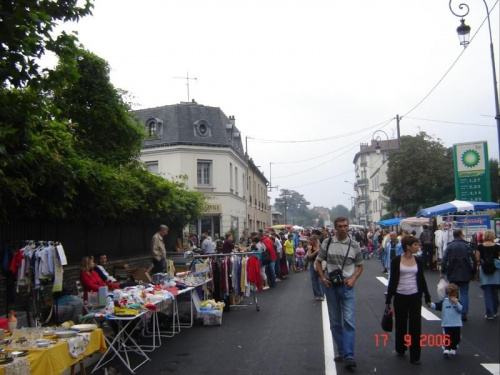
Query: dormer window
[[202, 128], [153, 127], [152, 130]]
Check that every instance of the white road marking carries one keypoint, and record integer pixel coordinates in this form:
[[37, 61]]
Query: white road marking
[[426, 314], [494, 368], [330, 368]]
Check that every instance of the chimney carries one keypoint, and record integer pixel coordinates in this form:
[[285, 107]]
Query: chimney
[[362, 146], [232, 120]]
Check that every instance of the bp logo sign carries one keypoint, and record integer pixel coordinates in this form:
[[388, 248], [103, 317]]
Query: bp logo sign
[[471, 158], [472, 179]]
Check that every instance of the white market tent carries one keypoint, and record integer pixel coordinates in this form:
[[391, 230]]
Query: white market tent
[[457, 206]]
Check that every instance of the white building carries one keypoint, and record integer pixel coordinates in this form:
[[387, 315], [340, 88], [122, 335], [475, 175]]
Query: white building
[[370, 166], [203, 146]]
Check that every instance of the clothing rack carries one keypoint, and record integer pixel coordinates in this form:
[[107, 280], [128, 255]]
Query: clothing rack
[[252, 288], [225, 255]]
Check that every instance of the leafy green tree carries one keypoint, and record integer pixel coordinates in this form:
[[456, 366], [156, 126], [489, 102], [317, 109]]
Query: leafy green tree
[[339, 210], [101, 127], [27, 32], [53, 164], [305, 218], [292, 203], [420, 174]]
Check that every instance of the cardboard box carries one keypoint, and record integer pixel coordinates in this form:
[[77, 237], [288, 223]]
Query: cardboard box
[[141, 274]]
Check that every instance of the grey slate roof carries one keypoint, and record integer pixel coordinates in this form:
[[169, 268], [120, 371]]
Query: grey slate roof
[[385, 145], [179, 126]]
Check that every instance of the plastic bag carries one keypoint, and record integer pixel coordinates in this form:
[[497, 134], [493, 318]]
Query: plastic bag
[[441, 289]]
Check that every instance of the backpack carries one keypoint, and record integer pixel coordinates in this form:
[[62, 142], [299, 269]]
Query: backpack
[[488, 263], [426, 237]]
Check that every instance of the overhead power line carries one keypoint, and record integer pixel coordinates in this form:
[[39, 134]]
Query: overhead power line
[[451, 122], [451, 67], [348, 147], [320, 139]]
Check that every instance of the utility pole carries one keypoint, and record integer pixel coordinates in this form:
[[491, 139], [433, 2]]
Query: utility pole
[[285, 196], [271, 178], [187, 78], [399, 134]]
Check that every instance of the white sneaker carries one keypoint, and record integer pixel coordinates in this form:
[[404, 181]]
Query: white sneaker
[[453, 352], [265, 288], [446, 353]]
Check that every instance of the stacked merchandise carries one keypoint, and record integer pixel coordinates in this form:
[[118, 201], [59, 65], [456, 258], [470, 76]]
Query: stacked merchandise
[[211, 312]]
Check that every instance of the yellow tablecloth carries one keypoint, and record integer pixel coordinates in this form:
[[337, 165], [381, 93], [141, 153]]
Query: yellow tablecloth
[[56, 359]]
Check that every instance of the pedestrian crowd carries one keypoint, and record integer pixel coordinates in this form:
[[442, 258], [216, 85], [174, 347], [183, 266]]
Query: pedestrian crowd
[[335, 261]]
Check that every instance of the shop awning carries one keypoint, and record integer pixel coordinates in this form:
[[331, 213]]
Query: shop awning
[[457, 206], [415, 221], [281, 226], [389, 222]]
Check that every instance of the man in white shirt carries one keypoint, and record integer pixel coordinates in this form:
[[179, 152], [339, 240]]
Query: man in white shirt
[[208, 246]]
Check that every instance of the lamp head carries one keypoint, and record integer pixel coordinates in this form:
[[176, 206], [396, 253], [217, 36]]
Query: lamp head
[[463, 32]]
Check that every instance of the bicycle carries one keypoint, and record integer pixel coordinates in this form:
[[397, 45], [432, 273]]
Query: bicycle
[[40, 309]]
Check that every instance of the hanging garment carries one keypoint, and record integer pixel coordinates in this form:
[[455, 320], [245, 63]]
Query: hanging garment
[[254, 272]]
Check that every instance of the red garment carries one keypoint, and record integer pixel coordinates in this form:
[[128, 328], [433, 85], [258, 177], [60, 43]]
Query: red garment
[[91, 282], [253, 272], [270, 247], [16, 261]]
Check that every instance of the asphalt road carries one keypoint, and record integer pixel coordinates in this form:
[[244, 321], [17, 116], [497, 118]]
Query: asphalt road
[[287, 337]]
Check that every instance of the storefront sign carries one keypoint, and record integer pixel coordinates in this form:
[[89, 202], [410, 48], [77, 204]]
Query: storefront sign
[[472, 172], [469, 224], [213, 208], [480, 221]]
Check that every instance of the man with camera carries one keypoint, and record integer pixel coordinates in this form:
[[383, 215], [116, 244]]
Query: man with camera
[[344, 264]]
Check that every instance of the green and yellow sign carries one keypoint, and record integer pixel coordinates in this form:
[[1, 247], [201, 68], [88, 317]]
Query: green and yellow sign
[[472, 171]]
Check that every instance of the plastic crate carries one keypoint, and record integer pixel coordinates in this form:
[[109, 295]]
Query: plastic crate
[[211, 317]]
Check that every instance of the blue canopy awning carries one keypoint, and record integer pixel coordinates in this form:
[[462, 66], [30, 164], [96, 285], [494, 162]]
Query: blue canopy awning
[[457, 206], [390, 222]]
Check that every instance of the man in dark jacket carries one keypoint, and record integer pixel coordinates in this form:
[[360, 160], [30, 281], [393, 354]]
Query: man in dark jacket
[[458, 266], [427, 244]]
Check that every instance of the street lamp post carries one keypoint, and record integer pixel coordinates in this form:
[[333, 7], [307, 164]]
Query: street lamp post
[[463, 34], [378, 139]]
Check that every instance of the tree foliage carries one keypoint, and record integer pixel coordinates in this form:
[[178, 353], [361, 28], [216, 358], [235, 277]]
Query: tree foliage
[[420, 174], [294, 204], [27, 32], [68, 148], [339, 211], [102, 128]]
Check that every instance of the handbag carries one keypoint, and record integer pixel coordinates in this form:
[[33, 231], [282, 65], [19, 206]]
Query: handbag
[[266, 258], [387, 320]]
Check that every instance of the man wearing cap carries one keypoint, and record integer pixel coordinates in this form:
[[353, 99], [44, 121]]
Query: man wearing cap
[[159, 251]]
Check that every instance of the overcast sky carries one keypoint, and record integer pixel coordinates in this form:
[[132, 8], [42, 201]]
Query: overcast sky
[[307, 70]]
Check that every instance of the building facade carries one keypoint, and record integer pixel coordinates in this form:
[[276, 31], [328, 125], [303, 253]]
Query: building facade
[[370, 167], [202, 146]]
